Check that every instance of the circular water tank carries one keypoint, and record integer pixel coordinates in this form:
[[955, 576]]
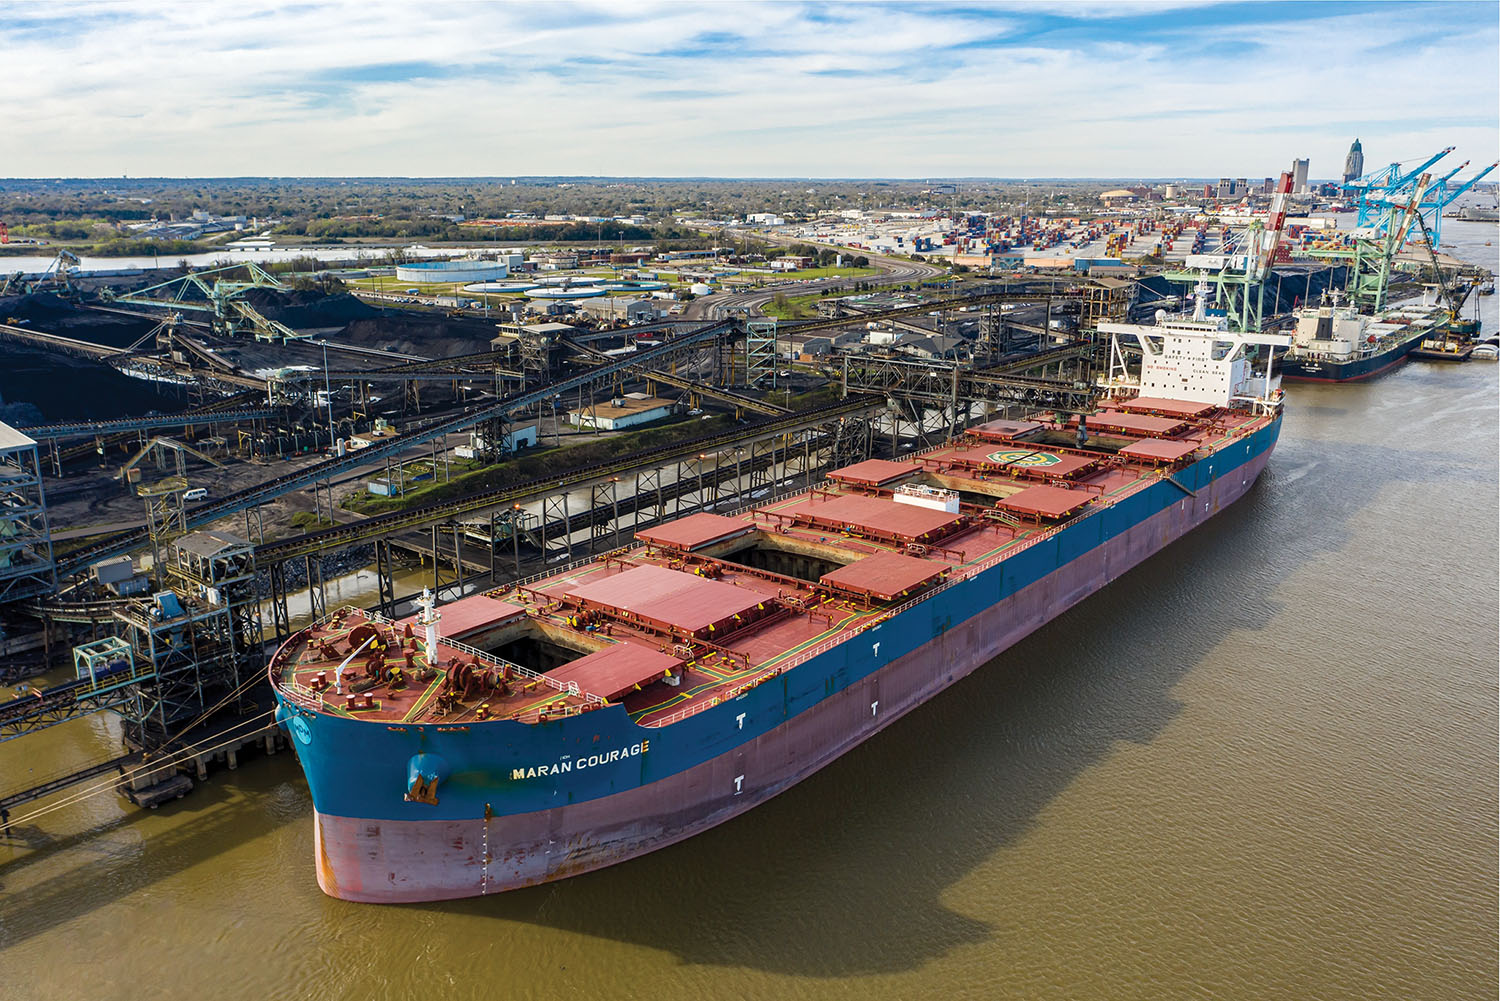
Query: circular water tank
[[701, 289], [500, 287], [633, 286], [568, 280], [451, 271], [566, 292]]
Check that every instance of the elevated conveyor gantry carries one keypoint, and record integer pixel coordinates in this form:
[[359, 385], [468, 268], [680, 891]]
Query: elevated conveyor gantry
[[251, 497]]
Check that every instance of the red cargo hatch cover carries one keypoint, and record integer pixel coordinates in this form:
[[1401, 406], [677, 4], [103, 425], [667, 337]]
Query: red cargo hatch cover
[[468, 615], [873, 472], [665, 597], [1169, 408], [878, 516], [695, 531], [612, 673], [1040, 462], [1159, 450], [1004, 430], [1138, 424], [1045, 502], [884, 575]]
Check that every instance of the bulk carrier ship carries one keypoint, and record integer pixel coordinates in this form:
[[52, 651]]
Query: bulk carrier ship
[[1336, 343], [603, 710]]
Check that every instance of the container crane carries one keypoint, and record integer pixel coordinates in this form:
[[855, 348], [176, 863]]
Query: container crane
[[1384, 193], [1238, 287]]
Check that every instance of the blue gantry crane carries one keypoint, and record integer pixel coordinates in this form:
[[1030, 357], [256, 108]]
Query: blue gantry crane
[[1386, 194]]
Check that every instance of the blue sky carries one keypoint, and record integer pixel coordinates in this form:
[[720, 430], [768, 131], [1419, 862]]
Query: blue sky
[[726, 89]]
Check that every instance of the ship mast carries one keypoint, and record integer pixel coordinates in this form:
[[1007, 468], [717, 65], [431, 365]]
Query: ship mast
[[428, 617]]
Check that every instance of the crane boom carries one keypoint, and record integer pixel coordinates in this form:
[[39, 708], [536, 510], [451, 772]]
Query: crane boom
[[1275, 221]]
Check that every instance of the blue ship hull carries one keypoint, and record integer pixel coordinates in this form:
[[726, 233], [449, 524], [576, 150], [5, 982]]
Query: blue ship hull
[[1300, 370]]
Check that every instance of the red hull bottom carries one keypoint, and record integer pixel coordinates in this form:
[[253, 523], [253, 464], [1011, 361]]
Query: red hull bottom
[[383, 861]]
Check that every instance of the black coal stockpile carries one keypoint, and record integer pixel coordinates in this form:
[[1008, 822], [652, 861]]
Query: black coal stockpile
[[309, 308], [53, 314], [42, 387], [430, 337]]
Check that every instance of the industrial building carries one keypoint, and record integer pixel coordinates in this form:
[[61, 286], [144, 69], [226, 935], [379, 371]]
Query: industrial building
[[623, 309], [623, 412], [516, 436]]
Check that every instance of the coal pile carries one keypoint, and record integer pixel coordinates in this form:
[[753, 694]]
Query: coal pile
[[430, 337], [53, 314], [309, 308], [42, 387]]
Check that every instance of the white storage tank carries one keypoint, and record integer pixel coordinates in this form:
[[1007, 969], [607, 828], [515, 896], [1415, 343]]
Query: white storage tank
[[452, 271]]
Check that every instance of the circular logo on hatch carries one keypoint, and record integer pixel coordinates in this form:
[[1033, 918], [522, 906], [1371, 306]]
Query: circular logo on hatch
[[1024, 457], [301, 730]]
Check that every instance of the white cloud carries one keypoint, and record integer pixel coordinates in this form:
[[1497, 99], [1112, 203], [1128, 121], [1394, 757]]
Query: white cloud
[[734, 89]]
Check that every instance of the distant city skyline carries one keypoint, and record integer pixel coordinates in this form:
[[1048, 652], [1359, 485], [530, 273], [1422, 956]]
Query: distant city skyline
[[1052, 90]]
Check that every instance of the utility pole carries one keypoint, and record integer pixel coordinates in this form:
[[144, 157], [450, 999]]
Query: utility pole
[[328, 393]]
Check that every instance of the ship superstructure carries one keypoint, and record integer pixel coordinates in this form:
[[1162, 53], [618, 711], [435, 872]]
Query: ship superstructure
[[599, 711]]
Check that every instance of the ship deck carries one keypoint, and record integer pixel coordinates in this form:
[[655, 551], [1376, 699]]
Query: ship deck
[[701, 608]]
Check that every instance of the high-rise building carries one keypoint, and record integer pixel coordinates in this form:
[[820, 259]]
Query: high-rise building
[[1299, 177], [1354, 163]]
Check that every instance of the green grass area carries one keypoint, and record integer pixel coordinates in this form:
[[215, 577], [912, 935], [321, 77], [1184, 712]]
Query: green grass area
[[307, 521], [792, 307], [830, 272], [392, 286]]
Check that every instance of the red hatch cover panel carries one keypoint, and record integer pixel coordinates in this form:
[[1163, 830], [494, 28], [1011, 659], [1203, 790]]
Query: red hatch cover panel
[[671, 597], [873, 472], [876, 515], [884, 575], [612, 673], [1171, 408], [1134, 423], [1003, 430], [1042, 462], [1046, 502], [694, 531], [1159, 450], [467, 615]]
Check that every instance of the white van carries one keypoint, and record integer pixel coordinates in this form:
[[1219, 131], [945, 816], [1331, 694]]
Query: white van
[[195, 494]]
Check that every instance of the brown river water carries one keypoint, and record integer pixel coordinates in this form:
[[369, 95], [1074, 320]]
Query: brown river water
[[1261, 765]]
